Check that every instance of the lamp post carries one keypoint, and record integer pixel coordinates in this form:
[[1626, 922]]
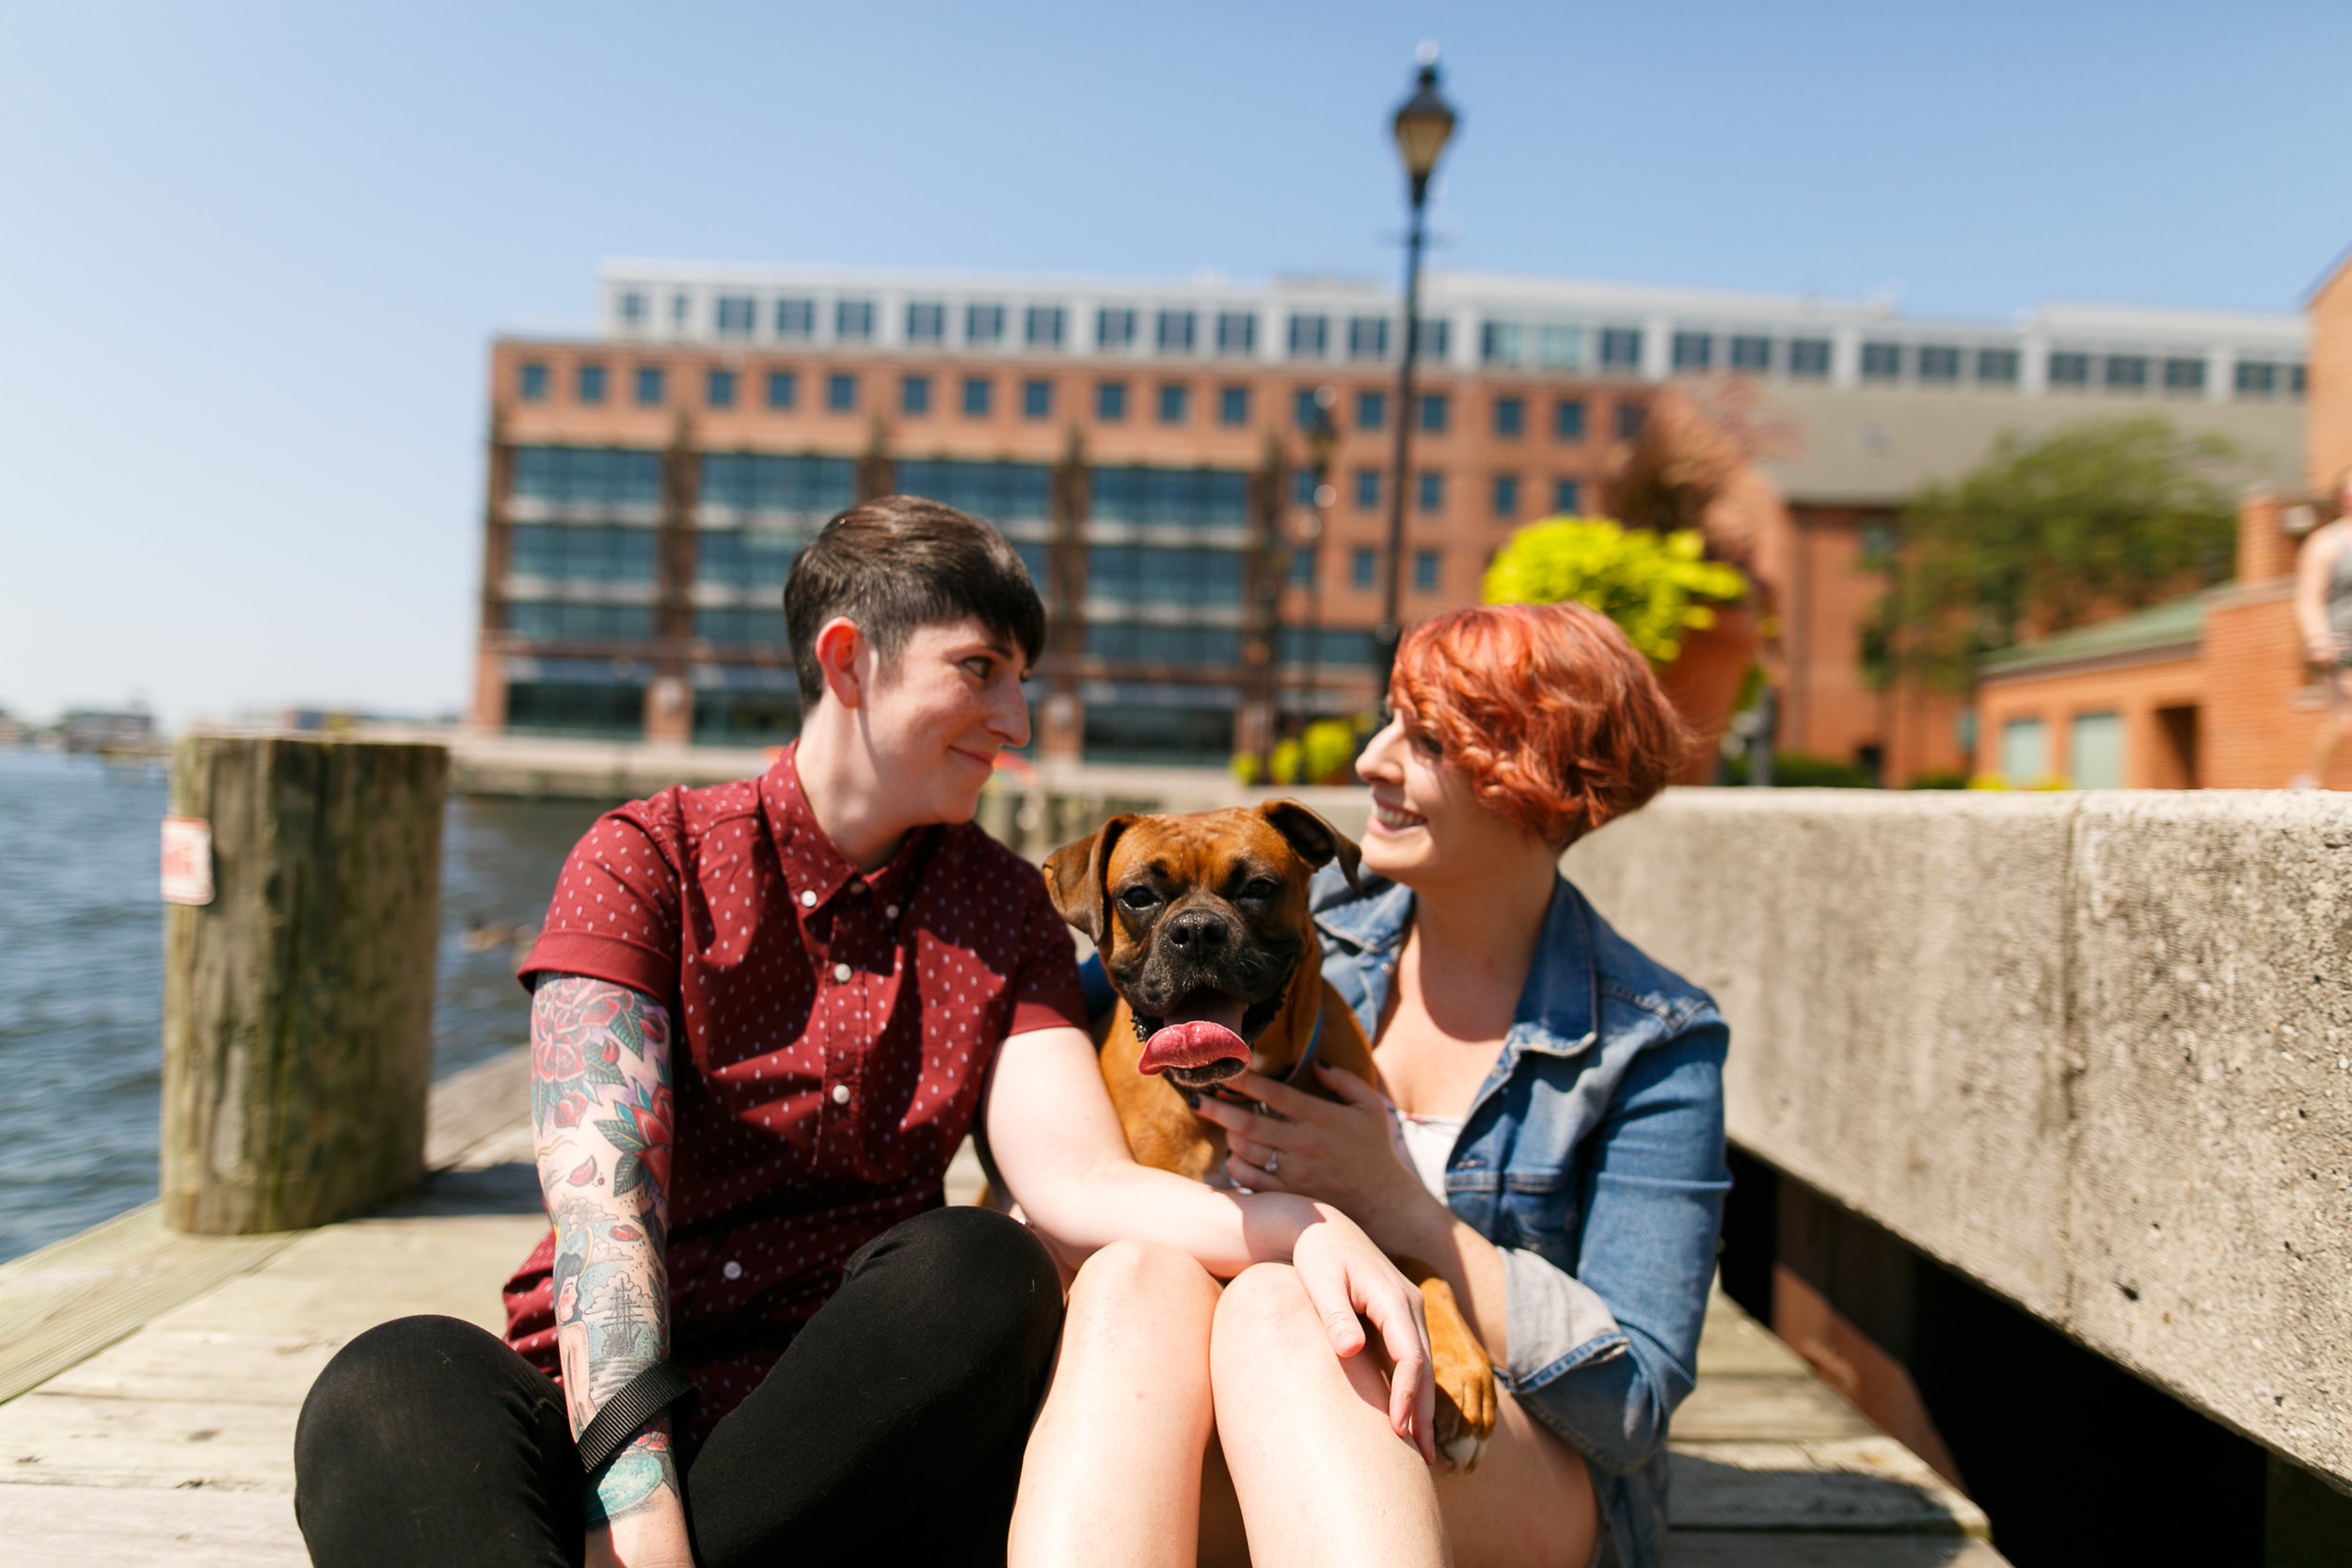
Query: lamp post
[[1323, 437], [1422, 125]]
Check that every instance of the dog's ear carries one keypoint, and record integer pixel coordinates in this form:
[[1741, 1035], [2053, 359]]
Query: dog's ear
[[1317, 841], [1074, 878]]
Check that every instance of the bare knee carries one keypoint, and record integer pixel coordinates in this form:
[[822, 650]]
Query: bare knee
[[1142, 1282], [1263, 1310]]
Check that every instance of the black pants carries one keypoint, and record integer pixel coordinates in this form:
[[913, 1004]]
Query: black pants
[[893, 1426]]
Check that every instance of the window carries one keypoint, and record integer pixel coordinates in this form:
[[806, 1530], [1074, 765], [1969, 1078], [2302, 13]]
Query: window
[[633, 309], [1173, 331], [812, 489], [926, 322], [650, 386], [568, 552], [1110, 402], [1368, 489], [2094, 750], [1037, 400], [1567, 419], [1114, 329], [2183, 375], [1336, 645], [1367, 337], [1510, 416], [590, 384], [796, 318], [1564, 497], [1371, 411], [2127, 372], [1175, 403], [1432, 413], [738, 315], [1436, 337], [2255, 377], [1425, 571], [741, 629], [719, 388], [2024, 752], [853, 320], [1751, 354], [1560, 348], [1621, 348], [582, 623], [983, 324], [1694, 351], [1303, 487], [2295, 380], [1156, 573], [1499, 342], [1232, 405], [1360, 563], [680, 308], [784, 388], [914, 395], [1808, 358], [999, 492], [588, 476], [1163, 645], [1303, 566], [1429, 491], [2070, 369], [979, 393], [1506, 497], [1629, 420], [758, 559], [535, 382], [1998, 366], [1200, 498], [1305, 412], [1310, 337], [1042, 326], [1236, 332], [1881, 361], [1938, 363], [841, 392]]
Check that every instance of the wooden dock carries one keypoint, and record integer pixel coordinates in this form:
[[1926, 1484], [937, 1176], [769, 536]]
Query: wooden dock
[[149, 1382]]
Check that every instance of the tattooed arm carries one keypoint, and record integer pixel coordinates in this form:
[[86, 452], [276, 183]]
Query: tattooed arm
[[600, 1109]]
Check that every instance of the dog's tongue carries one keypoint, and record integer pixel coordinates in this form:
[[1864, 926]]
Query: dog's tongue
[[1204, 1027]]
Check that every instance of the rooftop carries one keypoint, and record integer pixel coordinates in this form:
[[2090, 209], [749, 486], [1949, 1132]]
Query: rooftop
[[2170, 629]]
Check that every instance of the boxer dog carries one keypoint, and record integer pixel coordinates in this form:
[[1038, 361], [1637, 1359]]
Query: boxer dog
[[1203, 929]]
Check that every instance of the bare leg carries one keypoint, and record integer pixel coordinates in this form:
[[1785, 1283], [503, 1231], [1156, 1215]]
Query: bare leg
[[1321, 1478], [1112, 1474], [2332, 726]]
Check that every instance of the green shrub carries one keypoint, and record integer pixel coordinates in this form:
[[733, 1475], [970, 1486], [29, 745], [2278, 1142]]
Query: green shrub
[[1651, 584], [1795, 770], [1954, 780]]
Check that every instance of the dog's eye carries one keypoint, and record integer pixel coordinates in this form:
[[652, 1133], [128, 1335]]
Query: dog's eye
[[1138, 899], [1262, 887]]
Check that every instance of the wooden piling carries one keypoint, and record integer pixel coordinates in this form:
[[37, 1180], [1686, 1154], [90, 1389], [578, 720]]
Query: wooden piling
[[299, 1003]]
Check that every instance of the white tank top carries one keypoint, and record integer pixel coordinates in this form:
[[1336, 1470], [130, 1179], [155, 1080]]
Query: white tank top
[[1425, 1144]]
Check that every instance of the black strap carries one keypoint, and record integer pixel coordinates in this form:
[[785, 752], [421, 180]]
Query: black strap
[[645, 1395]]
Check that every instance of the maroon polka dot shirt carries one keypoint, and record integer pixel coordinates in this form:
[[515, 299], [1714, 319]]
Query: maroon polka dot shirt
[[837, 1029]]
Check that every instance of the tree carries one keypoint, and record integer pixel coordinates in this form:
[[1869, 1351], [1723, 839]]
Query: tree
[[2048, 532], [1648, 583]]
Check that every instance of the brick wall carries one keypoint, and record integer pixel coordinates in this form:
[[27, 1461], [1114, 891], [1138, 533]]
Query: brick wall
[[2266, 711], [2328, 402], [2163, 749]]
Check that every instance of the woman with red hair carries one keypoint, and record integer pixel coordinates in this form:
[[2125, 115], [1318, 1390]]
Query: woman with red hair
[[1551, 1139]]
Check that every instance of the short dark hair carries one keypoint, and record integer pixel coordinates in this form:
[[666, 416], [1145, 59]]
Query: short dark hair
[[899, 562]]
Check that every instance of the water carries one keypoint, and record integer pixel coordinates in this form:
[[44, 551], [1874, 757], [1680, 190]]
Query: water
[[81, 973]]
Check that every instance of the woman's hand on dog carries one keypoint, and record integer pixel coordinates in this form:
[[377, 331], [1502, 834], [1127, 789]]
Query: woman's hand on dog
[[1348, 1281], [1342, 1154]]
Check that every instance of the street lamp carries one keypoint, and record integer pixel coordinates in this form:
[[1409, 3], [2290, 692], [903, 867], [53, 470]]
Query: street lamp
[[1323, 439], [1423, 124]]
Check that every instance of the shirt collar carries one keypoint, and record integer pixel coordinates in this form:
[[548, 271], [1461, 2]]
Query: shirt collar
[[811, 863]]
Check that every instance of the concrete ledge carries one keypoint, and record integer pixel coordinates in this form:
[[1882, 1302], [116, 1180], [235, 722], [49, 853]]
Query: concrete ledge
[[2092, 1049]]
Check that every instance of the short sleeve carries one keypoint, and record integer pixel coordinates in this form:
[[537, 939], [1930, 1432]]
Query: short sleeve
[[614, 915], [1045, 989]]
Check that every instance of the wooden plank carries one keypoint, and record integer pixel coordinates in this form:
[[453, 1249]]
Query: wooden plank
[[1766, 1409], [72, 1440], [71, 1527], [1733, 1344], [481, 1102], [1741, 1549], [1870, 1483], [348, 1278], [159, 1363]]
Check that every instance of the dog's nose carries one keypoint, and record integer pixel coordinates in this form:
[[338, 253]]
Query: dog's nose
[[1196, 932]]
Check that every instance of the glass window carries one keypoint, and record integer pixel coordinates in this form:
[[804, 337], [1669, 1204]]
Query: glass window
[[1305, 412], [1425, 571], [1567, 419], [1436, 335], [1114, 329], [1621, 348], [979, 392], [1432, 413], [914, 394], [719, 388], [1510, 416], [1175, 403], [590, 385], [1371, 411], [1163, 645], [1367, 337], [1158, 573], [2070, 369], [1808, 356], [2255, 377], [1174, 331], [1429, 491], [853, 320], [1694, 351], [1042, 326], [784, 388], [588, 476], [1236, 332], [1303, 487], [1938, 362], [2094, 750], [1368, 489], [1566, 498], [2295, 379], [1560, 348], [983, 324], [568, 552], [2127, 372], [752, 559], [841, 392], [1232, 405], [741, 629], [1000, 492], [811, 489], [535, 382], [1037, 400], [1190, 497], [1361, 565], [796, 318], [2183, 375], [680, 308], [1629, 420], [1881, 361], [1751, 353], [1499, 342], [2024, 753], [650, 386], [1336, 645], [1110, 402], [738, 315], [581, 623], [1310, 337], [1303, 566], [1998, 366], [633, 309], [926, 322], [1506, 497]]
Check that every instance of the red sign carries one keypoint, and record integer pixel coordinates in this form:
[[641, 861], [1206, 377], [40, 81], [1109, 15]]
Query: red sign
[[188, 861]]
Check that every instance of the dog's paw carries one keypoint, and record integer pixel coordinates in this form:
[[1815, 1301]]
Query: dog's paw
[[1465, 1378]]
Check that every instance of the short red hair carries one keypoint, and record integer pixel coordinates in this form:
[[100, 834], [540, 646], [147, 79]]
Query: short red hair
[[1555, 717]]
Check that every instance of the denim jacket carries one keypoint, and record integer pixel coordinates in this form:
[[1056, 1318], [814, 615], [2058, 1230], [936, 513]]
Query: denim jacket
[[1593, 1157]]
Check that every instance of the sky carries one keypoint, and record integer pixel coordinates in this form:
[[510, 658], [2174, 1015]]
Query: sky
[[252, 256]]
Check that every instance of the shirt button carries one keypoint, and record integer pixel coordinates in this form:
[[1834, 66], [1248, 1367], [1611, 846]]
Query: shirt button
[[841, 1094], [733, 1271], [841, 973], [890, 911], [808, 900]]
